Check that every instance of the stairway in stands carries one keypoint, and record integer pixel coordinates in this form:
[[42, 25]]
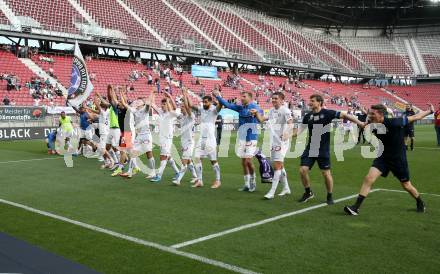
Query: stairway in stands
[[37, 70]]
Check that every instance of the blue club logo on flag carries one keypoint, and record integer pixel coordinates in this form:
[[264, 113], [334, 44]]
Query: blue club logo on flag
[[80, 85]]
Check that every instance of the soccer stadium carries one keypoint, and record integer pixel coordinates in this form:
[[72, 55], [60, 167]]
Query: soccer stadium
[[219, 136]]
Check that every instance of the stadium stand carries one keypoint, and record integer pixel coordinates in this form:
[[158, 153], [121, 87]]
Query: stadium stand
[[245, 30], [10, 65], [117, 72], [419, 95], [428, 46], [302, 56], [343, 55], [3, 19], [381, 53], [230, 30], [354, 93], [61, 66], [315, 49], [234, 31], [213, 29], [175, 30], [110, 14], [58, 15]]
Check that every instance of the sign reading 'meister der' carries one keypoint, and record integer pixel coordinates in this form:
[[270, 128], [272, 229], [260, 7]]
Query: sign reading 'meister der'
[[8, 113]]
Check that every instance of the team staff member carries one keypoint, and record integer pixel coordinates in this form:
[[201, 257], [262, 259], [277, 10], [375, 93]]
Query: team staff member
[[318, 122], [219, 124], [363, 118], [409, 128], [393, 157], [437, 124]]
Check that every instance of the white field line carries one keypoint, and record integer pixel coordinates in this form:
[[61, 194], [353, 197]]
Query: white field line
[[429, 148], [30, 160], [134, 240], [403, 191], [262, 222]]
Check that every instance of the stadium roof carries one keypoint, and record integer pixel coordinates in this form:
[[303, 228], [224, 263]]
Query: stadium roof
[[351, 13]]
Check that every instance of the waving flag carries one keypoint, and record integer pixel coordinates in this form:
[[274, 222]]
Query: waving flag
[[80, 85]]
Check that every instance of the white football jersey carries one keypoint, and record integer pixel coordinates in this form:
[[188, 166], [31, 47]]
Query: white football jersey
[[166, 124], [207, 121], [277, 122], [104, 123], [187, 127], [141, 119]]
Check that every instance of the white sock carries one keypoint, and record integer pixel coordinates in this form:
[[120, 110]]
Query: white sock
[[192, 170], [275, 181], [199, 170], [182, 172], [113, 156], [247, 180], [173, 165], [135, 160], [283, 180], [253, 178], [152, 165], [131, 165], [118, 154], [162, 166], [216, 169]]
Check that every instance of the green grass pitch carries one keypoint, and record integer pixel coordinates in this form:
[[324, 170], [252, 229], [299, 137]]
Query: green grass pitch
[[388, 236]]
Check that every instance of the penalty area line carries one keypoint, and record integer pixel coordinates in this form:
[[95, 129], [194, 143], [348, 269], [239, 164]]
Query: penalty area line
[[262, 222], [160, 247], [30, 160]]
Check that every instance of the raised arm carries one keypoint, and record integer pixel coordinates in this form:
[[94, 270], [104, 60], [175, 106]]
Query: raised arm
[[258, 115], [92, 115], [113, 99], [186, 102], [170, 101], [123, 96], [225, 103], [421, 114], [169, 107], [75, 109], [103, 101], [123, 99], [352, 119], [97, 100]]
